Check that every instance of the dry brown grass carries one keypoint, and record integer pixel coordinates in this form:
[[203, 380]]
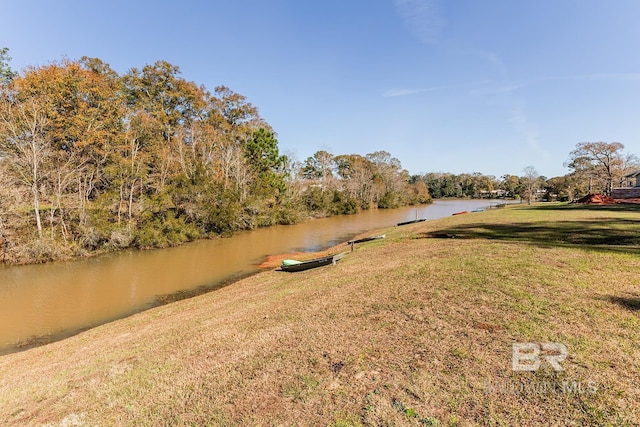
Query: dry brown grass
[[403, 331]]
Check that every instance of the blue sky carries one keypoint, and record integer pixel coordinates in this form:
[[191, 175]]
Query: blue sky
[[487, 86]]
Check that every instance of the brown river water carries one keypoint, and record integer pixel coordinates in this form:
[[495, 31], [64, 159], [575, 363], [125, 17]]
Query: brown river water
[[48, 302]]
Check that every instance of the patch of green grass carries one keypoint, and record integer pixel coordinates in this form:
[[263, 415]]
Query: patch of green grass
[[346, 420], [589, 228]]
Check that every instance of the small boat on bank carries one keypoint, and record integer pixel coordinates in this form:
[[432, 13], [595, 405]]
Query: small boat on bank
[[292, 265], [411, 222], [366, 239], [460, 213], [478, 210]]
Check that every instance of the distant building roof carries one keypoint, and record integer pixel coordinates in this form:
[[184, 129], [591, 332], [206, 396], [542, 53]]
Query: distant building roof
[[633, 175]]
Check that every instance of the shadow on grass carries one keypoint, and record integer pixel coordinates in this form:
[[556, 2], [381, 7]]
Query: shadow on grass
[[630, 303], [618, 207], [619, 234]]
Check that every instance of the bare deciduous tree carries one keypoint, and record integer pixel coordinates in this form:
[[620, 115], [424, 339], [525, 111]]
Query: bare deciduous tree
[[23, 142], [603, 162], [530, 183]]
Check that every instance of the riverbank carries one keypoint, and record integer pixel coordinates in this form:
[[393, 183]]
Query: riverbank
[[75, 296], [415, 329], [21, 246]]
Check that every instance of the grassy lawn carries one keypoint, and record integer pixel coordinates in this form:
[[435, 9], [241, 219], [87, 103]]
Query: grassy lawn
[[416, 329]]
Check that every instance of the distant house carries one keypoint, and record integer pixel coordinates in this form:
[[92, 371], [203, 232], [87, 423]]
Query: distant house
[[486, 194], [630, 187], [631, 180]]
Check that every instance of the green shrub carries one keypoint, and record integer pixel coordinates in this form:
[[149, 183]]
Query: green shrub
[[343, 204], [163, 229]]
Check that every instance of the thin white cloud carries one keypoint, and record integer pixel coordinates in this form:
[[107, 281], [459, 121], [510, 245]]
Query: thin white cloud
[[506, 88], [521, 125], [490, 89], [422, 18]]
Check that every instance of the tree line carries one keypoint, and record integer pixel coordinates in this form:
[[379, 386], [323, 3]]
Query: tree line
[[347, 183], [91, 160], [594, 167]]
